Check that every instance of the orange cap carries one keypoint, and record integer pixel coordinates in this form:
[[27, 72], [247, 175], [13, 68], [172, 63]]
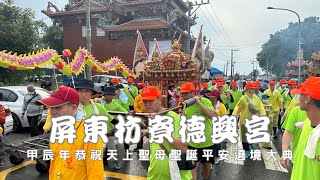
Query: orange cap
[[283, 81], [115, 80], [309, 88], [257, 83], [150, 93], [205, 85], [292, 82], [130, 80], [233, 83], [220, 84], [186, 87], [272, 83], [220, 79], [214, 82], [299, 86], [141, 84], [250, 85]]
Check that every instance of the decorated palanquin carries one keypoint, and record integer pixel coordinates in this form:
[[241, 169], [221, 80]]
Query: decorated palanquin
[[173, 67]]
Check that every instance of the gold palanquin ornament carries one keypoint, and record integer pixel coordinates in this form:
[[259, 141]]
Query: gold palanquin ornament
[[173, 64]]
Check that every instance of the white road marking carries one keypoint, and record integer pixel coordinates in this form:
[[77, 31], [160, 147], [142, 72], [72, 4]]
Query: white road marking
[[271, 163]]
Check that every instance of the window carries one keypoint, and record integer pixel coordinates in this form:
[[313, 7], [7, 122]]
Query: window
[[105, 80], [100, 32], [8, 95], [84, 31], [96, 79], [123, 81]]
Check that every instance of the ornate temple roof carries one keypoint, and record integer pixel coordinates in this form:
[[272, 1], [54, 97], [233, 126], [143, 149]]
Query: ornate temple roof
[[80, 8], [139, 24], [139, 2]]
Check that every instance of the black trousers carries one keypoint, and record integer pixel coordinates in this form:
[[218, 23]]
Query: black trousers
[[230, 112], [279, 122], [139, 145], [246, 146], [33, 123]]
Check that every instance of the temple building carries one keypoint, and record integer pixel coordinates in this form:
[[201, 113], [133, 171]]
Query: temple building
[[114, 25]]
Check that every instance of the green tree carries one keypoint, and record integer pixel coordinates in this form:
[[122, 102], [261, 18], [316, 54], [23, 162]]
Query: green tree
[[20, 33], [53, 38], [282, 47]]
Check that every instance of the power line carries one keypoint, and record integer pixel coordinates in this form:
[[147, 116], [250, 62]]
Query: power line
[[226, 38], [220, 24], [224, 41], [220, 52], [246, 45]]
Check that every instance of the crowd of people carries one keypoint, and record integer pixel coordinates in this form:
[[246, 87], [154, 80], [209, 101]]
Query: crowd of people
[[293, 109]]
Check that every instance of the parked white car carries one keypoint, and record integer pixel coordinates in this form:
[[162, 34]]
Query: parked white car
[[13, 98], [101, 80]]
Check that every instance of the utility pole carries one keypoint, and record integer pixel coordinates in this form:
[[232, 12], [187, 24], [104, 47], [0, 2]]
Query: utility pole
[[88, 74], [227, 67], [267, 68], [257, 69], [232, 63], [190, 5], [253, 73]]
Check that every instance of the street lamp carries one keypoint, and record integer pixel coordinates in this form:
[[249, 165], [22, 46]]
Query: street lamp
[[299, 60]]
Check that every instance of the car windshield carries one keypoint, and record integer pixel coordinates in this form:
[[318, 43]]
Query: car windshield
[[104, 80], [42, 92], [123, 81]]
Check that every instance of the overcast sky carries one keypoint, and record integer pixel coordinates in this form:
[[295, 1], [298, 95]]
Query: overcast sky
[[246, 24]]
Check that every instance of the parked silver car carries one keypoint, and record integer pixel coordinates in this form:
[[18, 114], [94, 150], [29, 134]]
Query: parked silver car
[[13, 98], [102, 80]]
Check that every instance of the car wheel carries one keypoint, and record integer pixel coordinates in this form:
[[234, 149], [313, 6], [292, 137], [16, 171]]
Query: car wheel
[[16, 123], [15, 159], [42, 166]]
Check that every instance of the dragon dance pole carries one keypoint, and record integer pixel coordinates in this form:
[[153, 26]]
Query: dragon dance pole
[[143, 76], [55, 76], [71, 75]]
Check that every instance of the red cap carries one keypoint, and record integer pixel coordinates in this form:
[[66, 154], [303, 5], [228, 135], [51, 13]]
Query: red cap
[[292, 82], [141, 84], [61, 96], [220, 84], [233, 83], [250, 85], [309, 88], [257, 83], [115, 80], [214, 93], [283, 81], [150, 93], [299, 86], [130, 80], [272, 83], [220, 79], [187, 87], [205, 85], [214, 82]]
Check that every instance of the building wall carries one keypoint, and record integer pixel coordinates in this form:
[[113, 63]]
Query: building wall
[[102, 47]]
